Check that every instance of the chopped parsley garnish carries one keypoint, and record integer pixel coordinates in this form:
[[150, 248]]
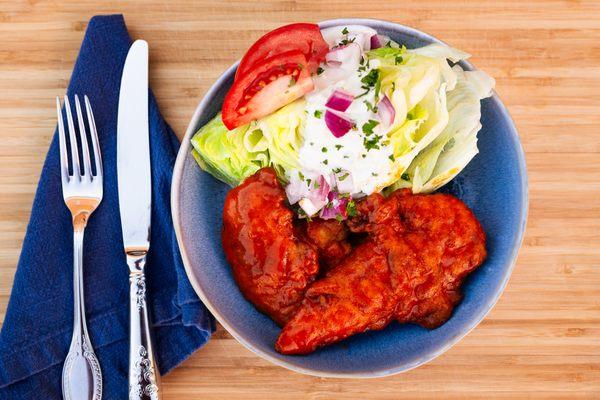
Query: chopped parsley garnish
[[325, 162], [392, 158], [369, 126], [363, 155], [292, 82], [346, 41], [301, 175], [317, 185], [308, 181], [374, 174], [320, 71], [369, 81], [324, 149], [371, 143], [339, 218], [371, 78], [342, 177], [405, 177], [345, 31], [336, 170], [346, 156], [398, 60], [312, 143], [318, 113], [351, 208], [370, 106], [338, 146]]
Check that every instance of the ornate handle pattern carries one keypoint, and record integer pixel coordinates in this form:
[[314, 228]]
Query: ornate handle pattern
[[144, 377]]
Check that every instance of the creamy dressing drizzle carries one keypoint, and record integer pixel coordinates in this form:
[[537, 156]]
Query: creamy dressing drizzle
[[353, 168]]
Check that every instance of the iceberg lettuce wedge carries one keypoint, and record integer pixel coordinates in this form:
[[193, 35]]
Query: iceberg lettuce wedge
[[232, 156], [452, 150]]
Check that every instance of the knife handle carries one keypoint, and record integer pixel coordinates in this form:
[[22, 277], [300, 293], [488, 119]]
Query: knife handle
[[144, 377]]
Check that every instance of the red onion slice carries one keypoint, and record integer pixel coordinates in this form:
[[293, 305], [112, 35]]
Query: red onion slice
[[338, 123], [386, 112], [378, 41], [336, 207], [339, 100], [322, 191]]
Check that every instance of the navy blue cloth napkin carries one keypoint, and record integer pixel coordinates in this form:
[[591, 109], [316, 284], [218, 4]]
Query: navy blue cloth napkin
[[37, 329]]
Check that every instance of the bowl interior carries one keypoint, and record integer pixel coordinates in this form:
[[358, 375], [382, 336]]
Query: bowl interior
[[493, 185]]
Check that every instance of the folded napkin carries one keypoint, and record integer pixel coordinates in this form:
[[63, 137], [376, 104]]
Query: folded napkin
[[36, 332]]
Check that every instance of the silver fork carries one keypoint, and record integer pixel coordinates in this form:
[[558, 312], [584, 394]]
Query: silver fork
[[82, 192]]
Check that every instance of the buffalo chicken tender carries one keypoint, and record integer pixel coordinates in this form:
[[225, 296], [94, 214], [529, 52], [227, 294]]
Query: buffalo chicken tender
[[420, 249]]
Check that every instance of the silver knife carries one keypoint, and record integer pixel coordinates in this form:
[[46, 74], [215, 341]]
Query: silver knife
[[135, 204]]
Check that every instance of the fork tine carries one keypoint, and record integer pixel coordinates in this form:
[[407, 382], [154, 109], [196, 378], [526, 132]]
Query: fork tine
[[94, 136], [87, 165], [64, 159], [73, 139]]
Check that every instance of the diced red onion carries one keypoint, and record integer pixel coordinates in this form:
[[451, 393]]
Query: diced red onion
[[340, 62], [339, 100], [378, 41], [318, 191], [317, 196], [375, 42], [295, 190], [386, 112], [322, 191], [338, 123], [336, 207]]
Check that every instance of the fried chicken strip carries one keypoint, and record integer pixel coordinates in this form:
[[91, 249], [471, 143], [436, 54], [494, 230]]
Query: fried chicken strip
[[330, 238], [271, 264], [420, 248]]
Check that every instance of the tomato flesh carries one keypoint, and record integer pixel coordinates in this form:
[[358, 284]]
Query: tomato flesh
[[306, 38], [268, 86]]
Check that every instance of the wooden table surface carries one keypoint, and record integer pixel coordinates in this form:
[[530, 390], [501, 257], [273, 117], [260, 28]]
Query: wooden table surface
[[542, 340]]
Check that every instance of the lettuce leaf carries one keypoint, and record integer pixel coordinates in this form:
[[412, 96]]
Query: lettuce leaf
[[223, 153], [282, 133], [452, 150], [232, 156]]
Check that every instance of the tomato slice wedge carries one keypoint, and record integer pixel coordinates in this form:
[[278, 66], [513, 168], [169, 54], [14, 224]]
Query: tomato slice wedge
[[268, 86], [304, 37]]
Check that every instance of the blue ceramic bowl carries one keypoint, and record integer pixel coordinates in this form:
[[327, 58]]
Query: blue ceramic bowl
[[494, 185]]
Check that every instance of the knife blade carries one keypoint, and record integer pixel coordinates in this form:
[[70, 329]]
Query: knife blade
[[133, 150], [135, 205]]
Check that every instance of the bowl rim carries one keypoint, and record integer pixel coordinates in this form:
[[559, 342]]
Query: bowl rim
[[184, 150]]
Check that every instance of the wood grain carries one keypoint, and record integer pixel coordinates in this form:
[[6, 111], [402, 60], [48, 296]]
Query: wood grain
[[542, 340]]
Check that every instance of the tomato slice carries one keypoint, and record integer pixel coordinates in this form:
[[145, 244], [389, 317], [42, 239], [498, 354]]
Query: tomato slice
[[268, 86], [302, 36]]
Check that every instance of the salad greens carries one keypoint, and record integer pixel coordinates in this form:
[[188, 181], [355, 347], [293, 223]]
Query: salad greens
[[437, 113], [432, 134], [224, 154], [456, 145], [232, 156]]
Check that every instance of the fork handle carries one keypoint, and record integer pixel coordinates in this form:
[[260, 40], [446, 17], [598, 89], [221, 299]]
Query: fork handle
[[144, 377], [81, 375]]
